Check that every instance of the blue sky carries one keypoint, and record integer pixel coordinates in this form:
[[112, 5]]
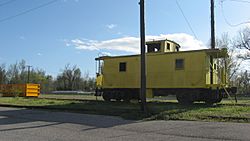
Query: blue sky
[[76, 31]]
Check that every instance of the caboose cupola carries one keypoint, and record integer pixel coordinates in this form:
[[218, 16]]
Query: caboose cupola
[[160, 46]]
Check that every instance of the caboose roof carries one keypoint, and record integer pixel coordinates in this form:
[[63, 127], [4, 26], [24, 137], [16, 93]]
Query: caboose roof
[[216, 53], [155, 41]]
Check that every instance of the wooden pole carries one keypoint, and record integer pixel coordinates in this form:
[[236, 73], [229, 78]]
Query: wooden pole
[[143, 62], [212, 41], [212, 26]]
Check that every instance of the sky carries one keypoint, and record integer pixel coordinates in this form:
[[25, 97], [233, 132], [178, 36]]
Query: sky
[[48, 34]]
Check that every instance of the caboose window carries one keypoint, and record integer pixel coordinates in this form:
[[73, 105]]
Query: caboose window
[[122, 66], [179, 64], [154, 47], [168, 46], [177, 48]]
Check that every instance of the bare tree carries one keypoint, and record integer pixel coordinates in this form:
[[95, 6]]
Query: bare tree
[[3, 76], [13, 74], [22, 71], [233, 62], [242, 41], [243, 81], [69, 78]]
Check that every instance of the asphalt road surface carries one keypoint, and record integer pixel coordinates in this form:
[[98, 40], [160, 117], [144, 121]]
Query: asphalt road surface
[[38, 125]]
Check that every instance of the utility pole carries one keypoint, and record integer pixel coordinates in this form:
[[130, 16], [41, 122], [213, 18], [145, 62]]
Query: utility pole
[[212, 26], [143, 62], [28, 81], [212, 40]]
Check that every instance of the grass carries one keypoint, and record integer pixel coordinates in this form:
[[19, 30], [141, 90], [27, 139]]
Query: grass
[[241, 101], [69, 96], [165, 109]]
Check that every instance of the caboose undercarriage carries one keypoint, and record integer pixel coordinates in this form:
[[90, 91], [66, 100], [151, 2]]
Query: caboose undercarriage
[[183, 95]]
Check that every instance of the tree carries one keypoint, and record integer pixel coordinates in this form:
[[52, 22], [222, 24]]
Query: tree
[[16, 73], [13, 74], [233, 62], [60, 83], [243, 81], [39, 76], [22, 71], [70, 78], [242, 41], [239, 51], [3, 75]]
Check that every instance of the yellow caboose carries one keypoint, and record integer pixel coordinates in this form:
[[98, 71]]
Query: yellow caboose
[[190, 75]]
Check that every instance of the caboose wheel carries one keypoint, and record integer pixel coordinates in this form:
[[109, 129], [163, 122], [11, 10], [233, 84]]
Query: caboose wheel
[[219, 99], [185, 99], [214, 99], [106, 97], [118, 99]]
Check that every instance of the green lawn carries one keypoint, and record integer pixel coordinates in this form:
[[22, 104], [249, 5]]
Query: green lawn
[[165, 109], [69, 96]]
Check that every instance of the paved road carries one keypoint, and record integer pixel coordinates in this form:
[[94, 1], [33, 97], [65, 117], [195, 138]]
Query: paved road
[[37, 125]]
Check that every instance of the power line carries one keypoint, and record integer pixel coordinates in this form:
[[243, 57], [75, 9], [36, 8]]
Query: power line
[[7, 2], [182, 12], [28, 11], [225, 18]]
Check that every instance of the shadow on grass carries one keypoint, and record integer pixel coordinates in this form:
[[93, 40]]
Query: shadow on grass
[[174, 111], [125, 110], [156, 110]]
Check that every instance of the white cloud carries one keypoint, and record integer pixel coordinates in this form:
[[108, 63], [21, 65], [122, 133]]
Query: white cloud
[[132, 44], [127, 44], [111, 26], [106, 54], [186, 41]]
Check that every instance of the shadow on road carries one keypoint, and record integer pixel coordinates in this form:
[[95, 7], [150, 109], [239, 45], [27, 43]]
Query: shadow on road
[[14, 116], [156, 110]]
